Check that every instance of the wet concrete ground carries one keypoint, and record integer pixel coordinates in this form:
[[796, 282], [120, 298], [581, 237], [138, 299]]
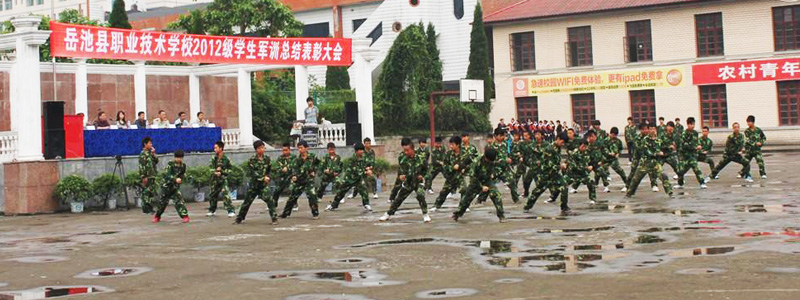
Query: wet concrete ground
[[732, 241]]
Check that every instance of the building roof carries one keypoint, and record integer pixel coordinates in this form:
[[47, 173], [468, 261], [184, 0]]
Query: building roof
[[164, 11], [537, 9]]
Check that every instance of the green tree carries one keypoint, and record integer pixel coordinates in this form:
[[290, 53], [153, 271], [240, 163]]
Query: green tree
[[337, 78], [479, 58], [193, 23], [118, 17], [71, 16], [267, 18], [273, 107], [435, 69]]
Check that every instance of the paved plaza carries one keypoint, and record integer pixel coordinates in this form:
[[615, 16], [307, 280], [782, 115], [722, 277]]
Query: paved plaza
[[732, 241]]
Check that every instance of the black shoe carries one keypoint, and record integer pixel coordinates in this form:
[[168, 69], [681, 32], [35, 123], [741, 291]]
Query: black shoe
[[283, 216], [454, 217], [567, 212], [237, 221]]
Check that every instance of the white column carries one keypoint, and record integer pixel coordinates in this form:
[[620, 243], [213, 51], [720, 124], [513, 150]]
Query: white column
[[27, 100], [140, 89], [245, 109], [82, 91], [194, 95], [301, 91], [12, 93], [361, 63]]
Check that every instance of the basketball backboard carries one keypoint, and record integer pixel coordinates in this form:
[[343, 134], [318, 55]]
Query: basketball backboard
[[471, 90]]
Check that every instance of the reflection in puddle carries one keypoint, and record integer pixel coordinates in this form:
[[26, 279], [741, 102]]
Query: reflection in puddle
[[48, 292], [700, 271], [39, 259], [446, 293], [509, 280], [662, 229], [113, 272], [702, 251], [351, 260], [348, 278], [649, 239], [605, 228], [763, 208], [629, 209]]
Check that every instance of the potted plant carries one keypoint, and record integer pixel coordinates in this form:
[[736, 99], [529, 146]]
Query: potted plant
[[74, 190], [107, 187], [235, 179], [199, 177], [133, 181]]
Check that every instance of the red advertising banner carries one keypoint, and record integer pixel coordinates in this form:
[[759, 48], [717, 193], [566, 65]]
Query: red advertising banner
[[80, 41], [744, 71]]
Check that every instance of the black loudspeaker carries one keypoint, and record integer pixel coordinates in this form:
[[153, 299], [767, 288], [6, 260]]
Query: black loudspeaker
[[54, 144], [352, 133], [351, 112], [53, 112]]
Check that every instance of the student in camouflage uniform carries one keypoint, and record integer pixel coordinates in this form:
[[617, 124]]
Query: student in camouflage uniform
[[412, 172], [282, 172], [572, 143], [330, 168], [690, 146], [148, 162], [504, 161], [472, 153], [221, 166], [613, 149], [579, 167], [679, 127], [551, 176], [669, 145], [533, 154], [638, 141], [734, 151], [456, 163], [303, 171], [662, 128], [597, 158], [650, 151], [354, 173], [171, 188], [519, 150], [602, 135], [484, 182], [630, 137], [704, 155], [437, 163], [398, 183], [258, 172], [754, 139]]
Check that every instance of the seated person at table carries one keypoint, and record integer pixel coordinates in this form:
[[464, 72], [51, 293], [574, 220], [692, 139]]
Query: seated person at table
[[181, 121], [201, 120], [102, 121], [162, 121], [141, 122], [121, 122]]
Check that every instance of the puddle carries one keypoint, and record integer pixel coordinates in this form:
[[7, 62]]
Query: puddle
[[48, 292], [763, 208], [305, 227], [605, 228], [446, 293], [351, 260], [783, 270], [536, 218], [649, 239], [629, 209], [700, 271], [39, 259], [208, 248], [702, 251], [3, 284], [235, 237], [664, 229], [327, 297], [113, 272], [348, 278], [509, 280]]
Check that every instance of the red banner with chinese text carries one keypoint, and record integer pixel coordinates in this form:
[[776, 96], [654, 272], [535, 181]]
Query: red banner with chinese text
[[80, 41], [744, 71]]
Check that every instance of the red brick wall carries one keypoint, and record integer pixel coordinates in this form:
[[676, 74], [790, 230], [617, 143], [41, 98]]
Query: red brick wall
[[5, 104], [219, 100], [66, 90], [170, 93], [29, 187], [110, 93]]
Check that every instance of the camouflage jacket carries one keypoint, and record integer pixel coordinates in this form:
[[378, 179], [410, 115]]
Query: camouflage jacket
[[707, 144], [174, 170], [571, 145], [666, 140], [281, 163], [223, 163], [661, 129], [679, 129], [578, 161], [437, 158], [597, 152], [734, 144], [534, 156], [753, 137], [649, 148], [369, 155], [148, 163], [639, 142], [356, 169], [471, 151], [257, 169], [551, 161], [334, 164], [424, 154], [613, 147], [412, 167], [630, 133], [304, 169], [602, 135], [518, 150], [484, 173], [461, 159], [689, 143]]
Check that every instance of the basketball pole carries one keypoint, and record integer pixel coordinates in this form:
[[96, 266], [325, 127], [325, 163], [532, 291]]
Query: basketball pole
[[432, 112]]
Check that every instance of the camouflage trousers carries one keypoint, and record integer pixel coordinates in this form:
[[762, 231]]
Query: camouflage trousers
[[148, 195], [219, 189], [279, 187], [577, 178], [395, 188], [749, 156], [264, 192], [600, 173], [530, 175], [614, 165], [475, 189], [726, 159], [557, 186], [451, 185], [637, 163], [341, 187], [432, 173], [405, 191], [173, 194], [652, 168], [370, 185], [672, 161], [323, 184], [689, 163], [297, 189], [706, 159]]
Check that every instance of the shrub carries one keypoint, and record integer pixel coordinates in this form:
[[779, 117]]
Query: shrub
[[198, 177], [106, 185], [73, 188]]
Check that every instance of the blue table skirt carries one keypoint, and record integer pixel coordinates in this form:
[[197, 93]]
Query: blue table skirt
[[112, 142]]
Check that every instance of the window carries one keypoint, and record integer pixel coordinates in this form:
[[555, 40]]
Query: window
[[643, 106], [458, 9], [528, 108], [29, 2], [316, 30], [709, 35], [39, 2], [357, 23], [786, 27], [9, 4], [583, 109], [376, 33], [714, 106], [579, 46], [522, 51], [638, 43], [789, 102]]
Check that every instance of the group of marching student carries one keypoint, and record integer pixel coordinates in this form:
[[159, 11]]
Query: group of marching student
[[560, 166]]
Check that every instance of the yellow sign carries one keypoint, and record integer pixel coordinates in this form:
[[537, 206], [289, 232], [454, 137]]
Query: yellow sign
[[590, 82]]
